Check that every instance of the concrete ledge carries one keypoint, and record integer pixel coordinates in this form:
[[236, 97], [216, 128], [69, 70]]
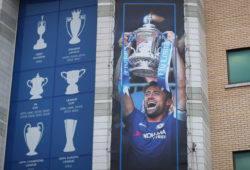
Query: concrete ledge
[[237, 85]]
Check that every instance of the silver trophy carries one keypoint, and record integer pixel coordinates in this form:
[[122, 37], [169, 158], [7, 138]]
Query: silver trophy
[[145, 52], [76, 26], [72, 78], [36, 86], [32, 136], [70, 127], [41, 28]]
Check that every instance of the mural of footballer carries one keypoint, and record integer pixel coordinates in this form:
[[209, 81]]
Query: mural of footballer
[[152, 136]]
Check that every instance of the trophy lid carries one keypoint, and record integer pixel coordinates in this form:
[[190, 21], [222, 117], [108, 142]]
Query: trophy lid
[[147, 26], [38, 78]]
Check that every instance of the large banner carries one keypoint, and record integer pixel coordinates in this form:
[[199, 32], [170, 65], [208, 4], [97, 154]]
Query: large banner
[[52, 107], [149, 105]]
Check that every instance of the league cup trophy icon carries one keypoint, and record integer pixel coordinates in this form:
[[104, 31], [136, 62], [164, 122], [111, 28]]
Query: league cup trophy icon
[[70, 126], [72, 78], [36, 85], [145, 52], [41, 27], [76, 26], [32, 136]]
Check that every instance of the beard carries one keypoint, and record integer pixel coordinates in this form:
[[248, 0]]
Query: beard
[[158, 111]]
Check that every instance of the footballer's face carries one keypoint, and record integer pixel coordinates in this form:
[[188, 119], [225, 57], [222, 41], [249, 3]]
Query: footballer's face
[[154, 102]]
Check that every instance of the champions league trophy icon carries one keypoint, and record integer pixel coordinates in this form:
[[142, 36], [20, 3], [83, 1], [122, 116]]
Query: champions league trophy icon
[[36, 85], [76, 26], [72, 78], [145, 52], [70, 126], [41, 27], [32, 136]]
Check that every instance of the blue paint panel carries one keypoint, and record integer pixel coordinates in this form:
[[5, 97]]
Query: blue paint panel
[[31, 7], [31, 118], [69, 4], [31, 52], [77, 110], [72, 162], [33, 84], [53, 86], [69, 49], [37, 164], [67, 75]]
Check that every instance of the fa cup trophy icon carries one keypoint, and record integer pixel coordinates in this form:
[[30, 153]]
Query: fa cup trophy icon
[[70, 126], [36, 86], [41, 27], [72, 78], [76, 26], [32, 136]]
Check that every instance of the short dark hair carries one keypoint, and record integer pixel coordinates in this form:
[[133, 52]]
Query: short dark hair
[[155, 84]]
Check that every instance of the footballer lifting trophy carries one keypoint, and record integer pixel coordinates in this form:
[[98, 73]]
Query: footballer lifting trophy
[[70, 127], [76, 26], [32, 136]]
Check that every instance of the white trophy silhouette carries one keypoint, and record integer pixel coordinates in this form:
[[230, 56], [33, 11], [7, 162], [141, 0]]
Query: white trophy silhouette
[[41, 27], [70, 127], [76, 26], [32, 136], [36, 85], [72, 78]]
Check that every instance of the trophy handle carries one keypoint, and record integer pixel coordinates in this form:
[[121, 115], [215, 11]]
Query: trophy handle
[[63, 75], [40, 124], [45, 81], [158, 51], [131, 49], [28, 84], [24, 130], [68, 19], [82, 71], [83, 17], [44, 24]]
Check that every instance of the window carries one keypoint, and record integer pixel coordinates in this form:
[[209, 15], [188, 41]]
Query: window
[[239, 65], [241, 160]]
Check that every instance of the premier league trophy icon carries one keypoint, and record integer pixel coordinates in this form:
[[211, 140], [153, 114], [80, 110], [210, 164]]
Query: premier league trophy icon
[[36, 86], [72, 78], [70, 126], [76, 26], [32, 136], [41, 27]]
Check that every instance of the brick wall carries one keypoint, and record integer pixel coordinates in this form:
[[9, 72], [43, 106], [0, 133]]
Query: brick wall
[[227, 27]]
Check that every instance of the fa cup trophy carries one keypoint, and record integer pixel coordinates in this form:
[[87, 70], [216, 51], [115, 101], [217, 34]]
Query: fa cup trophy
[[147, 54], [36, 86], [76, 26], [32, 136], [41, 27], [70, 127]]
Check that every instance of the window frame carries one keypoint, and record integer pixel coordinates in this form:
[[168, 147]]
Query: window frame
[[246, 83], [237, 152]]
